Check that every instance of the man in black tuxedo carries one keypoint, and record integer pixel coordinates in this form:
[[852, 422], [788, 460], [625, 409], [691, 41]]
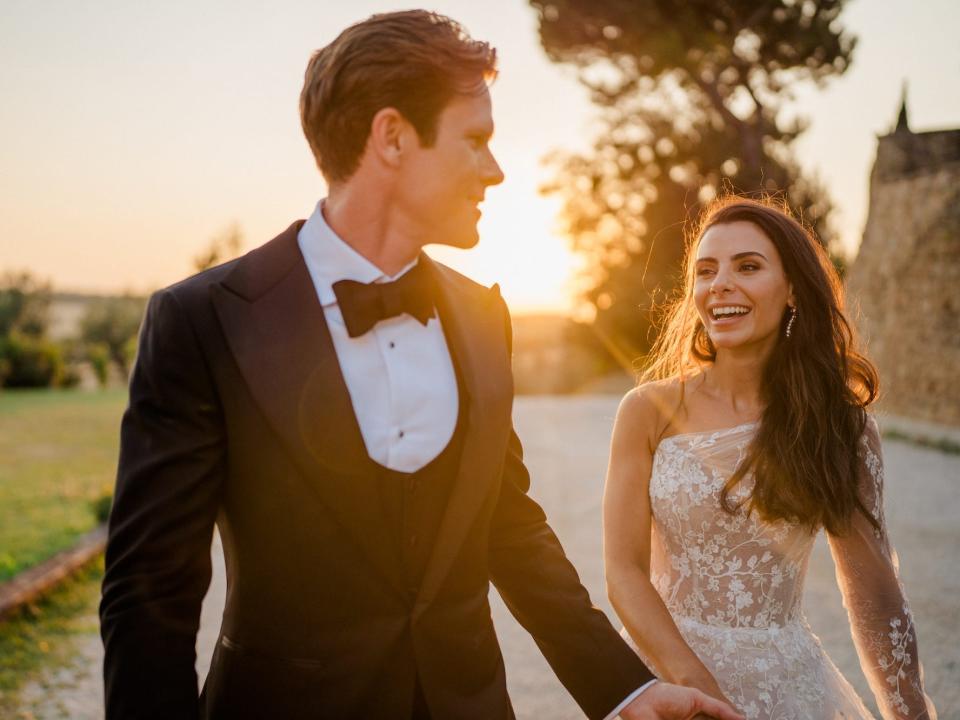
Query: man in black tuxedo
[[339, 405]]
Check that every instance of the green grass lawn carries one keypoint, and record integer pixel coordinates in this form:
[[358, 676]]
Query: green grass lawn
[[59, 455]]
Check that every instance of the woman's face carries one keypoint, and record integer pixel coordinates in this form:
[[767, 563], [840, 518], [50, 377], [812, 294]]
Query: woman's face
[[740, 288]]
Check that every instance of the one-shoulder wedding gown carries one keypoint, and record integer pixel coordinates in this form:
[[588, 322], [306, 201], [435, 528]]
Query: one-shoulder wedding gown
[[734, 584]]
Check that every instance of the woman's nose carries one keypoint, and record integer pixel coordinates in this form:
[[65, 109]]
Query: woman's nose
[[721, 283]]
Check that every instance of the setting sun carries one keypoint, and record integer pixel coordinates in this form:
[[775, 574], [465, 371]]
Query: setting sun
[[519, 249]]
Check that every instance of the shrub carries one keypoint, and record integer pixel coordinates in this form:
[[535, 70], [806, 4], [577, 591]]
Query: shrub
[[113, 323], [30, 362], [102, 503], [99, 356]]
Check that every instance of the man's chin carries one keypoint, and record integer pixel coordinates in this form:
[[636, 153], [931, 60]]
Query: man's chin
[[461, 241]]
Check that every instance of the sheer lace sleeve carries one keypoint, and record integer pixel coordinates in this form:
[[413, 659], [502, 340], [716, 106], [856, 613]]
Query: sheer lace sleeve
[[880, 618]]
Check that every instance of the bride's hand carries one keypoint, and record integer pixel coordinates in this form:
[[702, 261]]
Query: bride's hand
[[714, 691], [663, 701], [707, 684]]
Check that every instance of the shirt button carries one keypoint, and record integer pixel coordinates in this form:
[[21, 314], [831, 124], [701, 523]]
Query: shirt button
[[400, 434], [392, 344]]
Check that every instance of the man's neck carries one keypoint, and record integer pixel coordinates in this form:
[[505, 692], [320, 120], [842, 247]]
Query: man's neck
[[371, 227]]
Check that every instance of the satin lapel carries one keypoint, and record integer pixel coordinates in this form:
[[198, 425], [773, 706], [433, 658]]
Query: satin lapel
[[282, 345], [474, 329]]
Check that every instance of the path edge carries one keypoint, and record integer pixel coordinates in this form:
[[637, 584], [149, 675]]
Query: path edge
[[28, 585]]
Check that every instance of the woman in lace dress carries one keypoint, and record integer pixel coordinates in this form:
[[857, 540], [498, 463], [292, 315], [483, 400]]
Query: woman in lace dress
[[747, 437]]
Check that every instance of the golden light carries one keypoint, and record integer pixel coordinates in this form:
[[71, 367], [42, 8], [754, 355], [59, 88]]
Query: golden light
[[520, 248]]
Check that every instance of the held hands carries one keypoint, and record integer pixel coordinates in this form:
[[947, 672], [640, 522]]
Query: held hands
[[663, 701]]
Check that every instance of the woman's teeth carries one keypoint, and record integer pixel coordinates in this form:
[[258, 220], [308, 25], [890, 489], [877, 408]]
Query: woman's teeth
[[730, 311]]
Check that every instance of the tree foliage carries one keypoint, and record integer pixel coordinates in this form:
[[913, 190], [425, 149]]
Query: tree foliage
[[110, 327], [221, 248], [24, 305], [27, 359], [694, 100]]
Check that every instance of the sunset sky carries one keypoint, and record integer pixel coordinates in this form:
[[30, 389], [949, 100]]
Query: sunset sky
[[135, 132]]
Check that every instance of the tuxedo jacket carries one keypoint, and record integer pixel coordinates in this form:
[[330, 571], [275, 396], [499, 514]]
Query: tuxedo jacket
[[239, 416]]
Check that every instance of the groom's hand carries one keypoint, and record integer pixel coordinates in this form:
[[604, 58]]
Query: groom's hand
[[663, 701]]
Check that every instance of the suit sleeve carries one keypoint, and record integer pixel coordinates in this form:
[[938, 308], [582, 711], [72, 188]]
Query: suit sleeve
[[161, 525], [543, 591]]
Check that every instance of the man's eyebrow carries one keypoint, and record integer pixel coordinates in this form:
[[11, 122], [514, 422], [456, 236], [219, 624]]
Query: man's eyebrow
[[738, 256]]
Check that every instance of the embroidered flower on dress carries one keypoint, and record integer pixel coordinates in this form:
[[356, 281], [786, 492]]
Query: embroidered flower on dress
[[734, 585]]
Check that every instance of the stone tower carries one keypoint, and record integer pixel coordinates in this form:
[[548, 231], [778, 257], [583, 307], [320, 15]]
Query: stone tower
[[906, 278]]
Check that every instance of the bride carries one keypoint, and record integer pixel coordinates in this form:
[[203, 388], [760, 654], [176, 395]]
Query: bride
[[748, 435]]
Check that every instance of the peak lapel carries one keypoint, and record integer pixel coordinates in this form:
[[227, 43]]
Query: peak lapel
[[276, 329], [474, 329]]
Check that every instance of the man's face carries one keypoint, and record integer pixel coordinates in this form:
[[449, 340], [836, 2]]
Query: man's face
[[441, 186]]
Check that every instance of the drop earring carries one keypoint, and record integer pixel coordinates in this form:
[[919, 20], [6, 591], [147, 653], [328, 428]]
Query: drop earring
[[793, 316]]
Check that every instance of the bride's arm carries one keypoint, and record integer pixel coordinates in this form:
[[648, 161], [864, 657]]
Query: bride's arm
[[626, 548], [880, 618]]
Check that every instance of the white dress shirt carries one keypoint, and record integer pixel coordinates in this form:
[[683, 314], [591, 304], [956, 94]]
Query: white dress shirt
[[399, 374]]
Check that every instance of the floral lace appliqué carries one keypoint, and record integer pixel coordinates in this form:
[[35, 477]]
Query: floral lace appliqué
[[734, 585]]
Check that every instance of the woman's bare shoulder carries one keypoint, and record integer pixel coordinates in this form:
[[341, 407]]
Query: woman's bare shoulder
[[650, 406]]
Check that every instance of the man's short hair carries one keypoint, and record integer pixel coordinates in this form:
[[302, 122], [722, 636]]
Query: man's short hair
[[414, 61]]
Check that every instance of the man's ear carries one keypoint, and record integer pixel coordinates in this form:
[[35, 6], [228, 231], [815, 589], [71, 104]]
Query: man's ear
[[389, 136]]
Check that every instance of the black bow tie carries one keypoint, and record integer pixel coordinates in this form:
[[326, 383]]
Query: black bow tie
[[363, 305]]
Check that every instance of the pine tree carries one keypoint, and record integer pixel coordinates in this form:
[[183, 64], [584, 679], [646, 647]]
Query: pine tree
[[693, 100]]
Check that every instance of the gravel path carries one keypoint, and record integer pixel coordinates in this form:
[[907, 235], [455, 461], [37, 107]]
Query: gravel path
[[566, 442]]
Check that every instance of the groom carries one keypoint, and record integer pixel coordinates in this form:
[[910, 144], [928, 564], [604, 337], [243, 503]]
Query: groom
[[339, 405]]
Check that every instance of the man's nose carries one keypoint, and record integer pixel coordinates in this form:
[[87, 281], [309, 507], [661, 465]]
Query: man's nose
[[492, 174]]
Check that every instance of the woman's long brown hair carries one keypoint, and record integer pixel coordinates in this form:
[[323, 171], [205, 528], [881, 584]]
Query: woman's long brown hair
[[815, 385]]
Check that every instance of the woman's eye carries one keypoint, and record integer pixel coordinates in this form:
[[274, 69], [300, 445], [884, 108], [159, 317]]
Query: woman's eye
[[749, 266], [704, 271]]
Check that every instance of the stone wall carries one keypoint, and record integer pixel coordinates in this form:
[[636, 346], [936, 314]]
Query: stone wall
[[906, 278]]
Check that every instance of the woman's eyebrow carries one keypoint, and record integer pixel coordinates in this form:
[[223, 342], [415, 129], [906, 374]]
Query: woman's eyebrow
[[738, 256]]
